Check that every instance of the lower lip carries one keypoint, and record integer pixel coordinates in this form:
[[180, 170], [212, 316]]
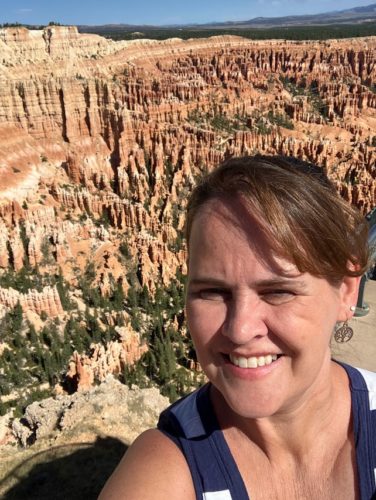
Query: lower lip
[[251, 373]]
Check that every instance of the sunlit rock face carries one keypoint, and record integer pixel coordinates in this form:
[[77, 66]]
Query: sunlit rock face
[[102, 360], [47, 300], [102, 141]]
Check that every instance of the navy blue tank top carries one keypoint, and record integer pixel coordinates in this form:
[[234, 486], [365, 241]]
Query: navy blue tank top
[[193, 426]]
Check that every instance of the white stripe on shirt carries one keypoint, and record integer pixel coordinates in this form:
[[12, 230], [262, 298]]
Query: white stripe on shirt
[[217, 495]]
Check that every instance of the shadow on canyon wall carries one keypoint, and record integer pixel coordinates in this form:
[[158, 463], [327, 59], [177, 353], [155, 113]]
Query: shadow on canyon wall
[[74, 471]]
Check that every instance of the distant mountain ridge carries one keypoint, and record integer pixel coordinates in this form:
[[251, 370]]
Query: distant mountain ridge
[[361, 14], [353, 15]]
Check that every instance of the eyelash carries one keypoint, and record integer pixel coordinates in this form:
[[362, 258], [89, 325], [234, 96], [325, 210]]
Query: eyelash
[[278, 296], [226, 295], [278, 292], [221, 293]]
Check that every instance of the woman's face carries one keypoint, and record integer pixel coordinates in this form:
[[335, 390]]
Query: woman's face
[[261, 330]]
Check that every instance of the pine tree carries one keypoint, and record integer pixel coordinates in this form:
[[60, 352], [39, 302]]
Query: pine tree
[[62, 289], [118, 297], [16, 317]]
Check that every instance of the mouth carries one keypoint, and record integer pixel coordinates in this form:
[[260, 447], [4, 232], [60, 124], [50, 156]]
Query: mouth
[[253, 361]]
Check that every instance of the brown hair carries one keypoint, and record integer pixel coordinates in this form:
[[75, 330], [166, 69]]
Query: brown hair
[[297, 209]]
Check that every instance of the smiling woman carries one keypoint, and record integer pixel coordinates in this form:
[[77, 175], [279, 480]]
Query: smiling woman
[[275, 258]]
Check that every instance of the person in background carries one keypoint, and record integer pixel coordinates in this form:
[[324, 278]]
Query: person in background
[[274, 262]]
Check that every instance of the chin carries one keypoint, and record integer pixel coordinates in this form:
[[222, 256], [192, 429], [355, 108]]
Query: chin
[[251, 403], [253, 411]]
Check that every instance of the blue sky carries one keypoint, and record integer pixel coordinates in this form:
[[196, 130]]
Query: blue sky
[[160, 11]]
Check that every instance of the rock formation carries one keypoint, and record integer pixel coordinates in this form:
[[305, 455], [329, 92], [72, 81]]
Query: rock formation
[[85, 369], [111, 408], [103, 117], [47, 300], [102, 141]]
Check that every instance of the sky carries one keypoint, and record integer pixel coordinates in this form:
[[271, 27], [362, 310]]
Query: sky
[[160, 12]]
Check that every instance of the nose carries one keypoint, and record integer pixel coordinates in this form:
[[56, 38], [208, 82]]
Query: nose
[[244, 320]]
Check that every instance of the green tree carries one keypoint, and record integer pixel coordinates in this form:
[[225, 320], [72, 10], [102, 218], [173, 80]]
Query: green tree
[[118, 297]]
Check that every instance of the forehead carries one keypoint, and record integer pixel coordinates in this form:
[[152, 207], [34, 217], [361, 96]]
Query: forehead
[[227, 230]]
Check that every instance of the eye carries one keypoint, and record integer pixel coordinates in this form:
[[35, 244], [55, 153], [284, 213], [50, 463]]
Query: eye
[[216, 294], [277, 296]]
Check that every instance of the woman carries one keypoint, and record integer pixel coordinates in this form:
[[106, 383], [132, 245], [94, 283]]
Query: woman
[[275, 258]]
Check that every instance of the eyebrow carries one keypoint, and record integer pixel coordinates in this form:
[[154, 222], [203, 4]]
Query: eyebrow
[[280, 282], [207, 281], [272, 282]]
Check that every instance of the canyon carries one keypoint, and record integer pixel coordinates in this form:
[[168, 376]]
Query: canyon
[[101, 143], [91, 128]]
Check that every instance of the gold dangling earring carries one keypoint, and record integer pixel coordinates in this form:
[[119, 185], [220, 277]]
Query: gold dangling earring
[[343, 333]]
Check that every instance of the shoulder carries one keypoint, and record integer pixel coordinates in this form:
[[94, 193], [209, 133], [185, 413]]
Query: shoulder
[[152, 468], [184, 419]]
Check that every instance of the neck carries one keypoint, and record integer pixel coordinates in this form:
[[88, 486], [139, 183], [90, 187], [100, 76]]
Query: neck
[[322, 414]]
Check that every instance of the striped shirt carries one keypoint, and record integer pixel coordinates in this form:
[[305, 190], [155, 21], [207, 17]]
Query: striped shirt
[[192, 425]]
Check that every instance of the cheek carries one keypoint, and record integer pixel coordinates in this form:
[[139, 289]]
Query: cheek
[[204, 320], [310, 331]]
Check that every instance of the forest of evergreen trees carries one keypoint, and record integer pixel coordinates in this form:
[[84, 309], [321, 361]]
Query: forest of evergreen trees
[[304, 32], [321, 32], [33, 359]]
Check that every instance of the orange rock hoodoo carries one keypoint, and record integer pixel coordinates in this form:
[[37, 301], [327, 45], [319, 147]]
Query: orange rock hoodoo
[[85, 369], [92, 129], [47, 300]]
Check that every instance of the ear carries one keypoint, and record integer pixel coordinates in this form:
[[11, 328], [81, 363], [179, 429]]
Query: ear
[[348, 292]]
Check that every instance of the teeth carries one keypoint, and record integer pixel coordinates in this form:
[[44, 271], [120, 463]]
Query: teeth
[[253, 362], [261, 361], [242, 362]]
